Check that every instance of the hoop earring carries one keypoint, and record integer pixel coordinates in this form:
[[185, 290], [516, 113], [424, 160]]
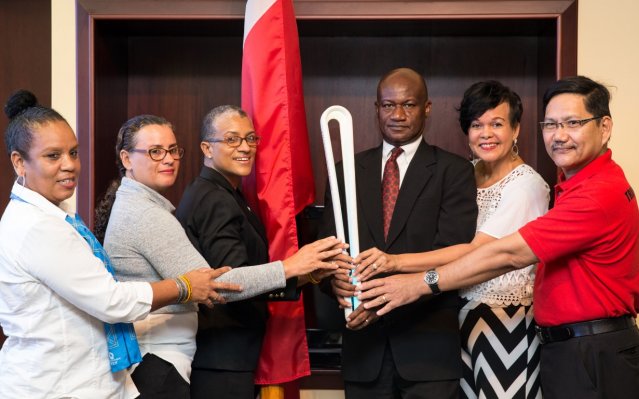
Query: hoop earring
[[22, 180], [515, 150]]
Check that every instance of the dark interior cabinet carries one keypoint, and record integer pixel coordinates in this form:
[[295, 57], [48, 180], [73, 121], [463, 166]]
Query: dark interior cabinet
[[178, 59]]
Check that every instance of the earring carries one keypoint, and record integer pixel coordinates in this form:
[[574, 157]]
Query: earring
[[21, 180], [471, 156], [515, 150]]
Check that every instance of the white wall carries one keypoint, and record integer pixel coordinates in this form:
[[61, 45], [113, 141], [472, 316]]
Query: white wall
[[608, 52]]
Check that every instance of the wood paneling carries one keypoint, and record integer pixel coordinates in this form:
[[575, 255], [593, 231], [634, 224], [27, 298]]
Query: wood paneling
[[180, 66], [180, 59], [25, 63]]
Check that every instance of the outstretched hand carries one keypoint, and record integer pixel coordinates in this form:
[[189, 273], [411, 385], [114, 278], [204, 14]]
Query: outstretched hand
[[391, 292], [313, 256], [373, 262], [344, 266]]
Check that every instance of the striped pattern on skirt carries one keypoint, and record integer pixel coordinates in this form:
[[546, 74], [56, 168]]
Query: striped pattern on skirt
[[500, 352]]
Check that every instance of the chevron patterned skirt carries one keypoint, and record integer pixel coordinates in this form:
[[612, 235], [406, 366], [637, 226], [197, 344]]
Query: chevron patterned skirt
[[500, 352]]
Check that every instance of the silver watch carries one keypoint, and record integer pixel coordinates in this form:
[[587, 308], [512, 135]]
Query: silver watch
[[432, 278]]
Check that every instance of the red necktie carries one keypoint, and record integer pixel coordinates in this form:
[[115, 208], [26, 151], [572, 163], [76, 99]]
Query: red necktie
[[390, 188]]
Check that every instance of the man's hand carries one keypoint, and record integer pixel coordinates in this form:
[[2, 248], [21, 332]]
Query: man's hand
[[361, 318], [342, 288], [391, 292]]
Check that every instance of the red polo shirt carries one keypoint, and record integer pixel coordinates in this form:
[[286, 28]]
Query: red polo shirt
[[588, 245]]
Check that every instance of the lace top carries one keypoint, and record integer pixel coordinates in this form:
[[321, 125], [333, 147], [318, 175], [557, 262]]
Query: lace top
[[504, 207]]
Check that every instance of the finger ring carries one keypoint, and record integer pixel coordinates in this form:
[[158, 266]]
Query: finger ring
[[374, 266], [384, 299], [366, 321]]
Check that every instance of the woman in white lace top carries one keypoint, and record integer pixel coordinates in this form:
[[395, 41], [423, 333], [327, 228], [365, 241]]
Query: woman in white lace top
[[500, 351]]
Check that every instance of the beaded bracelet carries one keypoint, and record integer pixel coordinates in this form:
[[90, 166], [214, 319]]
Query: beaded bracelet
[[312, 279]]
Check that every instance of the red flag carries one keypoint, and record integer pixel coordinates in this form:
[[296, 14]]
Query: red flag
[[283, 181]]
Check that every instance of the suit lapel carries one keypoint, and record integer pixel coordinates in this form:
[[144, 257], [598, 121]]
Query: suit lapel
[[369, 193], [215, 177], [417, 176]]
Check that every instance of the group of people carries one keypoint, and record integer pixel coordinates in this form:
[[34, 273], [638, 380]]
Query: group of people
[[469, 285], [57, 291], [547, 299]]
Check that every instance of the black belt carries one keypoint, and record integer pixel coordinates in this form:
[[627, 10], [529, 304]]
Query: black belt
[[592, 327]]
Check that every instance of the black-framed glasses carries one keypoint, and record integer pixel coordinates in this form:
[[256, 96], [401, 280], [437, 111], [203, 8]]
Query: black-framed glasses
[[570, 125], [236, 141], [159, 153]]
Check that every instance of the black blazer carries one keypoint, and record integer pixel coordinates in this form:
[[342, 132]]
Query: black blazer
[[226, 232], [436, 207]]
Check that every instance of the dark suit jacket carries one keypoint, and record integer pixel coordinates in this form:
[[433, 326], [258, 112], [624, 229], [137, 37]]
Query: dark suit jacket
[[227, 233], [436, 207]]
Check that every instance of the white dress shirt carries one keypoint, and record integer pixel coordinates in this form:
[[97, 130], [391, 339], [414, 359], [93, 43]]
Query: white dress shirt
[[403, 160], [54, 296]]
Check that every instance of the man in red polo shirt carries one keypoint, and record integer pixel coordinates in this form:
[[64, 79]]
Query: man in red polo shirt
[[587, 285]]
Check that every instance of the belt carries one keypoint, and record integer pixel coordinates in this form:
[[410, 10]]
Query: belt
[[591, 327]]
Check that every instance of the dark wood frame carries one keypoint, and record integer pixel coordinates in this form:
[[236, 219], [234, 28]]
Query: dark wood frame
[[91, 14], [26, 64], [101, 85]]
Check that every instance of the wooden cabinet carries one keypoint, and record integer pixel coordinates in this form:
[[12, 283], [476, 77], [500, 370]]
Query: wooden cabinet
[[179, 59]]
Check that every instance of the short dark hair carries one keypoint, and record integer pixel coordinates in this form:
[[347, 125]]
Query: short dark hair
[[208, 124], [489, 94], [596, 95], [25, 114]]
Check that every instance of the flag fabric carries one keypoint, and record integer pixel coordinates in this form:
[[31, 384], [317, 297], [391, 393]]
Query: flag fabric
[[282, 183]]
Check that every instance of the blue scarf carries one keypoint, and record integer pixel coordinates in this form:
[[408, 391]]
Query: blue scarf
[[124, 350]]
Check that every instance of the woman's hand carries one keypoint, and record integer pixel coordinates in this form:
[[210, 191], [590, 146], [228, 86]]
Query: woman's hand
[[204, 288], [373, 262], [344, 265], [314, 256]]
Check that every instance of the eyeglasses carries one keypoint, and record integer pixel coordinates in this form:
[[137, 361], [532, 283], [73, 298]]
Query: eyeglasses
[[159, 153], [570, 125], [236, 141]]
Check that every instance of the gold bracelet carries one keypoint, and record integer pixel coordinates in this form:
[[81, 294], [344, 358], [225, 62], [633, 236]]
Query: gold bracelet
[[312, 279], [189, 289]]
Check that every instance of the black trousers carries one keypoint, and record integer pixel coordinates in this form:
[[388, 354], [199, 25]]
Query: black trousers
[[156, 378], [602, 366], [390, 385], [222, 384]]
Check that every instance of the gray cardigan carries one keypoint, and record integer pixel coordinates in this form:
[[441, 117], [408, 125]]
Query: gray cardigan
[[147, 243]]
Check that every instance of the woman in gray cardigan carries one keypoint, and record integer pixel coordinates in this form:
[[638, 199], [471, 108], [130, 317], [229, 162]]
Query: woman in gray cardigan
[[147, 243]]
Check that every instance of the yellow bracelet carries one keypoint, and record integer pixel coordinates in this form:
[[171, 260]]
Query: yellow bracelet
[[312, 279], [189, 289]]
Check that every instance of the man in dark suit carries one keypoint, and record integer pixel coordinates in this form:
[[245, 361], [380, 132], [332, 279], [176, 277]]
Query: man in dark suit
[[411, 197]]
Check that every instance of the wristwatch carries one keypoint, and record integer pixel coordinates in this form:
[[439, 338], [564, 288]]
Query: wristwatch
[[432, 278]]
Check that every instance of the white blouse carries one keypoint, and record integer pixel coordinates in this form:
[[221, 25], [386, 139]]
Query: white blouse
[[518, 198], [54, 296]]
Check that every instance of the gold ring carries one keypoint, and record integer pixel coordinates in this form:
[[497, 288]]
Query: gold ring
[[384, 299], [374, 266]]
